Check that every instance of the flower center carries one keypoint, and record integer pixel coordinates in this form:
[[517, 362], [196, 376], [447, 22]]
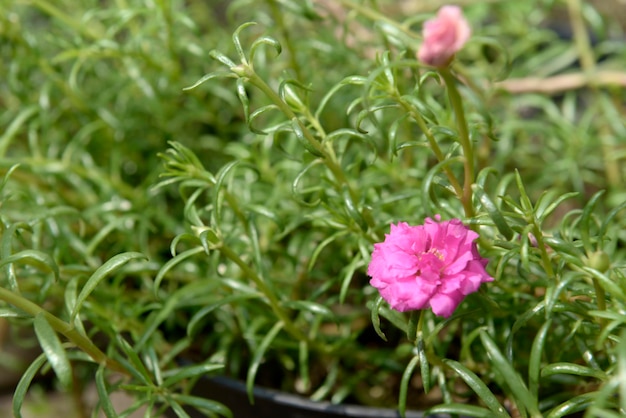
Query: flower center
[[430, 263], [436, 253]]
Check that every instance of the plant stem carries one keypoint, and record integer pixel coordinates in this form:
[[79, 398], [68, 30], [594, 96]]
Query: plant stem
[[327, 152], [62, 327], [274, 303], [545, 258], [581, 37], [588, 64], [563, 82], [464, 139], [432, 142], [414, 327]]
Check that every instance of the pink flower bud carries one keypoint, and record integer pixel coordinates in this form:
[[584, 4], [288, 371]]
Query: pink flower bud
[[432, 265], [443, 36]]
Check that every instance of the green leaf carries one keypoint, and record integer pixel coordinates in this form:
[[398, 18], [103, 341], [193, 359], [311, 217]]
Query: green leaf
[[493, 211], [170, 264], [303, 364], [203, 404], [542, 213], [621, 370], [608, 284], [573, 405], [242, 94], [70, 294], [103, 394], [173, 376], [295, 185], [260, 111], [573, 369], [404, 384], [102, 272], [7, 175], [460, 409], [237, 42], [522, 397], [525, 201], [351, 80], [318, 249], [22, 386], [11, 313], [424, 365], [376, 318], [133, 362], [220, 179], [16, 122], [265, 40], [351, 209], [156, 318], [479, 387], [195, 321], [607, 220], [428, 194], [296, 127], [53, 349], [210, 76], [348, 274], [585, 221], [177, 408], [218, 56], [34, 258], [420, 107], [258, 357], [534, 363], [306, 305]]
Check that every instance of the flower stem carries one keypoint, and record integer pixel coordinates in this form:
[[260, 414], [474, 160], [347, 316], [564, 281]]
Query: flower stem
[[414, 327], [464, 139], [432, 142], [64, 328]]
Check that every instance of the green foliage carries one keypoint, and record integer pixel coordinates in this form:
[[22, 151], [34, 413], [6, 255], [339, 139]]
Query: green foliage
[[151, 216]]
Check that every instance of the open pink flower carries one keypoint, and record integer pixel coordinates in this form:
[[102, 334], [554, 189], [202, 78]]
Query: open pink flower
[[432, 265], [443, 36]]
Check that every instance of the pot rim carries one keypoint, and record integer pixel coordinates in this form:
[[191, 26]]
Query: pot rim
[[300, 403]]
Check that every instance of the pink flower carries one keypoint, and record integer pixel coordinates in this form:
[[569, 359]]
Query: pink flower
[[432, 265], [443, 36]]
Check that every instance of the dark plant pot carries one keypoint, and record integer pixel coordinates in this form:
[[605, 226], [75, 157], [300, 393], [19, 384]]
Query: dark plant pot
[[270, 403]]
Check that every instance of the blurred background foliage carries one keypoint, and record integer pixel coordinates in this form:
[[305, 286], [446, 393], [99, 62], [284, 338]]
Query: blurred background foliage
[[92, 96]]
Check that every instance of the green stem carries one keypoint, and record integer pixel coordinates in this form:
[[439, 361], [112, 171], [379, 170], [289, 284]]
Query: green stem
[[274, 303], [328, 154], [64, 328], [432, 142], [581, 37], [414, 327], [588, 64], [464, 139], [545, 258]]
